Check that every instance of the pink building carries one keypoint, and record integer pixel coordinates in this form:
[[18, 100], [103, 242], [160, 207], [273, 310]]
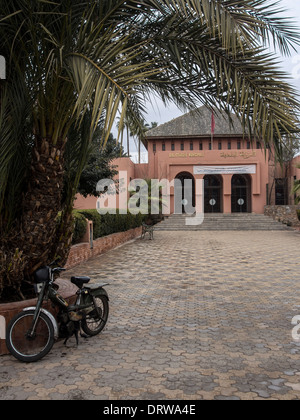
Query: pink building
[[238, 175]]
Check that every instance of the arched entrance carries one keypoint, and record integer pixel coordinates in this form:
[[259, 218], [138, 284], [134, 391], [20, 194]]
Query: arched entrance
[[213, 194], [184, 201], [241, 194]]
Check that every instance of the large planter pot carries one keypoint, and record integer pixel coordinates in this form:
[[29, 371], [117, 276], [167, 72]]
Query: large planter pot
[[9, 310]]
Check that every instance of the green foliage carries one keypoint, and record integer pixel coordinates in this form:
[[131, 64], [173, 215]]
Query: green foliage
[[103, 225], [296, 189], [112, 223], [95, 217], [79, 226], [99, 165]]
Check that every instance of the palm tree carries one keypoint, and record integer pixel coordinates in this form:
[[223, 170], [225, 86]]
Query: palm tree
[[138, 129], [74, 64], [126, 125]]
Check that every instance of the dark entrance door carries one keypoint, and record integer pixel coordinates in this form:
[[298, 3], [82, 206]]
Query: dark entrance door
[[184, 193], [240, 194], [212, 194]]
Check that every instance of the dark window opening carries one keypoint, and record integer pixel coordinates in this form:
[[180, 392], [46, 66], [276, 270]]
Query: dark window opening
[[281, 192]]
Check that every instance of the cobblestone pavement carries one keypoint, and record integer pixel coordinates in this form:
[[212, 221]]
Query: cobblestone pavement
[[193, 315]]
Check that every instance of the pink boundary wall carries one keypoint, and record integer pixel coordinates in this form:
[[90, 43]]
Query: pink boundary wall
[[82, 252]]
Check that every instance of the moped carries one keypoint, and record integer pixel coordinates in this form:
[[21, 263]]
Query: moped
[[32, 333]]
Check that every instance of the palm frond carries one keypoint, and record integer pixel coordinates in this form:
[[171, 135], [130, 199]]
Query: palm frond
[[73, 58], [247, 81], [15, 147], [237, 23], [106, 78]]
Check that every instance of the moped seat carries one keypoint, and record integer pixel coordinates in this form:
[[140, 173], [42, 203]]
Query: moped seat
[[80, 281]]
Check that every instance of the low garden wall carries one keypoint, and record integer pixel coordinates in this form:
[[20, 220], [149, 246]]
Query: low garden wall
[[83, 251], [288, 215]]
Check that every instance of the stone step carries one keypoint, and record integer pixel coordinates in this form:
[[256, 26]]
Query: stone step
[[223, 222]]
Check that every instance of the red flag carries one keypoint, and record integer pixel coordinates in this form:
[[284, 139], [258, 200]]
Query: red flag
[[213, 123]]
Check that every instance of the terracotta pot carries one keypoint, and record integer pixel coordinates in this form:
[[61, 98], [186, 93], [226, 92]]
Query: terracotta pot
[[9, 310]]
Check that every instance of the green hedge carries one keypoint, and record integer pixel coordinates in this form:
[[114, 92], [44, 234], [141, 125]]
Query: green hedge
[[95, 217], [103, 225], [111, 223], [80, 225]]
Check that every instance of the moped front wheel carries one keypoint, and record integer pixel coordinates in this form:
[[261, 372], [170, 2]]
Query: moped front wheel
[[25, 347]]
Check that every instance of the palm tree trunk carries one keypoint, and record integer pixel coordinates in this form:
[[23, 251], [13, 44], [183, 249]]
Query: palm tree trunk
[[128, 152], [139, 150], [30, 244], [62, 241], [42, 201]]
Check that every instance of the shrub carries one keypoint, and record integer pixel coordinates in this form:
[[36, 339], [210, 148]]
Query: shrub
[[112, 223], [95, 217], [80, 225]]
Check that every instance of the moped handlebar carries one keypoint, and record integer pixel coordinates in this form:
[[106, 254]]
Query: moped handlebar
[[58, 269]]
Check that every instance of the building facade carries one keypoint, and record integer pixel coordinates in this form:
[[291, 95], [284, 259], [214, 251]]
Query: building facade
[[239, 176]]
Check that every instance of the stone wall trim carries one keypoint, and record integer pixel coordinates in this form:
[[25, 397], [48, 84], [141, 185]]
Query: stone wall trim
[[284, 214]]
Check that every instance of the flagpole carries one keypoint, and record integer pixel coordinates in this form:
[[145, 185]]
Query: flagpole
[[213, 123]]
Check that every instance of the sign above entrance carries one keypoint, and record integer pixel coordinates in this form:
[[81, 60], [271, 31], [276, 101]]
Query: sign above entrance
[[221, 170]]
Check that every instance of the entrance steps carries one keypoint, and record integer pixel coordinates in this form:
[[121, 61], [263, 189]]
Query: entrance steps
[[235, 221]]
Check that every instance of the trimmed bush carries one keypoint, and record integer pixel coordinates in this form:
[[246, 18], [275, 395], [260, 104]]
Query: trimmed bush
[[80, 225], [103, 225], [112, 223], [95, 217]]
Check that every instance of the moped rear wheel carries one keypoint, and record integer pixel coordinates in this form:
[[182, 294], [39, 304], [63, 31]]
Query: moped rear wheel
[[95, 321], [29, 349]]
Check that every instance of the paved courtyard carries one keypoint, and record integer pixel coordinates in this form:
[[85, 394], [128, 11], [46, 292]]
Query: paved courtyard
[[193, 315]]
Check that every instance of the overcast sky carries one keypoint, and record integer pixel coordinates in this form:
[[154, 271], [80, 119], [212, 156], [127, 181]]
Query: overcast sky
[[158, 113]]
